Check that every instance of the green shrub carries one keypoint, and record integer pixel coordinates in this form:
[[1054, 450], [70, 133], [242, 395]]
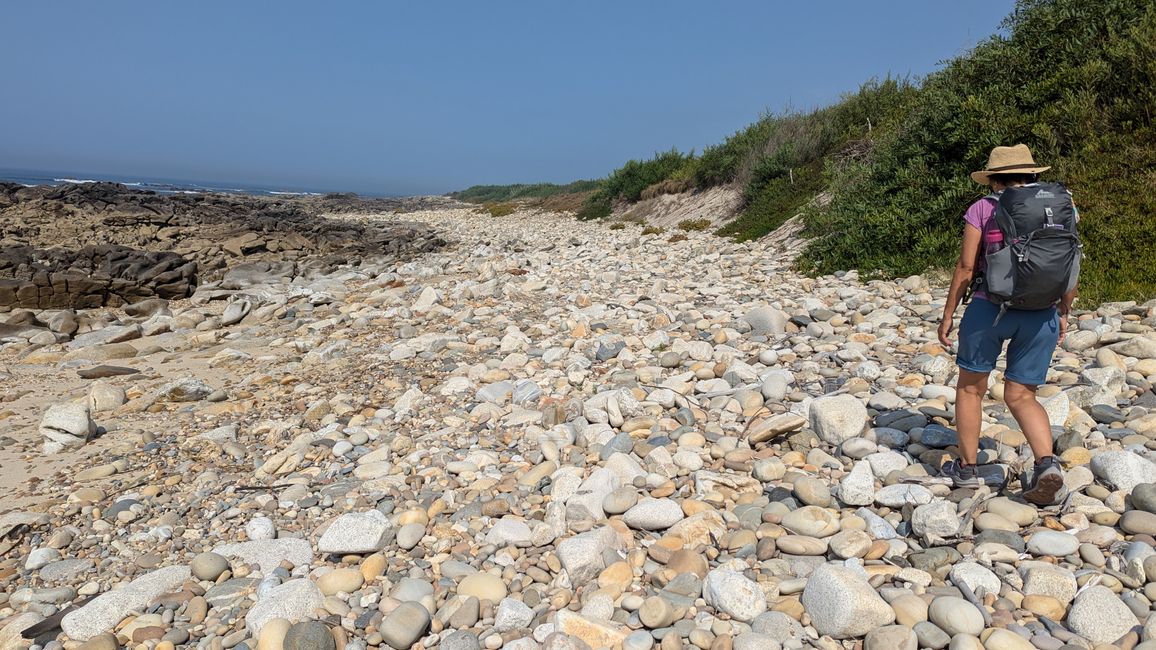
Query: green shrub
[[597, 206], [628, 181], [505, 193], [1076, 82], [653, 230], [694, 224], [500, 209], [776, 201]]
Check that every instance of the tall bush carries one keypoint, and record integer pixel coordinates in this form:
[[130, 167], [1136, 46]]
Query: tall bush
[[1074, 81]]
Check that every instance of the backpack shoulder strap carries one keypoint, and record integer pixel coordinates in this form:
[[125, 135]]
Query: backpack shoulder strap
[[1001, 217]]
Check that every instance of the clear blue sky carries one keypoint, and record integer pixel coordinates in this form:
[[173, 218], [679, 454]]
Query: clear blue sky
[[427, 97]]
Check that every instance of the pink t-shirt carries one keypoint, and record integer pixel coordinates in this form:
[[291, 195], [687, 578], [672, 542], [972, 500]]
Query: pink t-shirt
[[980, 215]]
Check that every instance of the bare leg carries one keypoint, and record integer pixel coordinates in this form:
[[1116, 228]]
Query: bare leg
[[1033, 419], [969, 392]]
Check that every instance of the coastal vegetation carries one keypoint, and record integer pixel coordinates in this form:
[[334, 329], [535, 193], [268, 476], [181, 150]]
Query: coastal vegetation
[[1075, 81]]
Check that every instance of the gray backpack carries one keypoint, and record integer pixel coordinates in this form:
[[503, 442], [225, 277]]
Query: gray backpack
[[1039, 261]]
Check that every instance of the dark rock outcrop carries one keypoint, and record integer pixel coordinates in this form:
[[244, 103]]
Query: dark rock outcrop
[[105, 244], [93, 276]]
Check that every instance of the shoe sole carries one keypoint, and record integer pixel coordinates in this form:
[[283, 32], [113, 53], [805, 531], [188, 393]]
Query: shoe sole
[[1044, 493]]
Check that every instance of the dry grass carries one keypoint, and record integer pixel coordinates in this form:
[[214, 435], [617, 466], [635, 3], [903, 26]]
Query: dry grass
[[669, 186], [565, 202], [500, 209], [694, 224]]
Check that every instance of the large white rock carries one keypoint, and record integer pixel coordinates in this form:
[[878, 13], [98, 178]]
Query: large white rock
[[901, 494], [426, 300], [1100, 616], [582, 554], [66, 425], [766, 320], [268, 554], [1140, 347], [653, 514], [935, 519], [355, 532], [509, 530], [1123, 469], [838, 417], [109, 608], [586, 503], [858, 487], [733, 593], [842, 604], [294, 601], [975, 576]]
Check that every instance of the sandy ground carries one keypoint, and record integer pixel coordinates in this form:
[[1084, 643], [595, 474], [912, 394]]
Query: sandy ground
[[33, 387]]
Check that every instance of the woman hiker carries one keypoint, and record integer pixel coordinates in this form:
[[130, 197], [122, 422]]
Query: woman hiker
[[1031, 336]]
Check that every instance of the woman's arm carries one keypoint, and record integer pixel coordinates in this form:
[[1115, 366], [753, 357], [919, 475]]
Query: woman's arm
[[960, 279]]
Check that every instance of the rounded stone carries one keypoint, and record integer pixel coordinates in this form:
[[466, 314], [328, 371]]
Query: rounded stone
[[656, 613], [955, 616], [850, 543], [310, 635], [272, 635], [261, 528], [653, 514], [405, 625], [732, 592], [687, 561], [992, 521], [891, 637], [340, 580], [1021, 514], [1001, 639], [483, 586], [930, 636], [1138, 522], [1044, 606], [811, 521], [909, 610], [640, 640], [106, 641], [620, 500], [1052, 542], [1144, 497], [209, 566], [409, 535], [1100, 616], [965, 642], [460, 640], [812, 491], [801, 545]]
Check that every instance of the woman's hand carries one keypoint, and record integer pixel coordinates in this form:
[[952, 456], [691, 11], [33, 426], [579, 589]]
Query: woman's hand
[[1063, 328], [945, 327]]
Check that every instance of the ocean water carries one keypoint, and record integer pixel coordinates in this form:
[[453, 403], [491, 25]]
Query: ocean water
[[159, 185]]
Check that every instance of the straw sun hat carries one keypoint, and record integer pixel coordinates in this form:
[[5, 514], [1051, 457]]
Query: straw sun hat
[[1008, 160]]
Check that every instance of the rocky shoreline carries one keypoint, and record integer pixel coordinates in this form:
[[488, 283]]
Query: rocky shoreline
[[104, 244], [547, 434]]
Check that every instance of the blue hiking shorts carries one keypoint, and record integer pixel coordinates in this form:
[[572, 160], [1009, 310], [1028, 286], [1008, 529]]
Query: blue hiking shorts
[[1031, 336]]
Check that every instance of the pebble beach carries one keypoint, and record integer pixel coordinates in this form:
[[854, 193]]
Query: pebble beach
[[549, 434]]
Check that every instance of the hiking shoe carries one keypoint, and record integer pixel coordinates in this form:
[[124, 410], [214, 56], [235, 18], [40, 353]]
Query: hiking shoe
[[1047, 481], [962, 476]]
